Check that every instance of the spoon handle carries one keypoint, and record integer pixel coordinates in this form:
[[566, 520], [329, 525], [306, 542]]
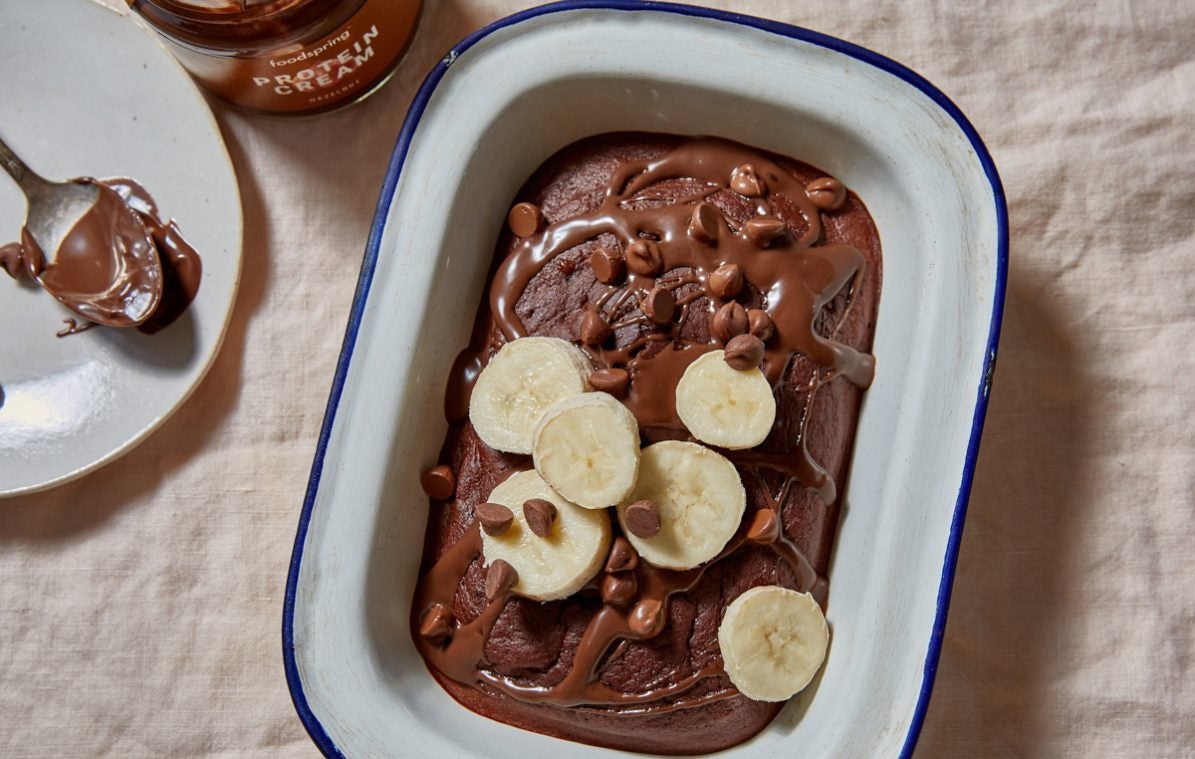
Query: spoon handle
[[26, 177]]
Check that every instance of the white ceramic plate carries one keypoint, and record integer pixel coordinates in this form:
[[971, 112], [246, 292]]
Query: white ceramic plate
[[501, 102], [87, 90]]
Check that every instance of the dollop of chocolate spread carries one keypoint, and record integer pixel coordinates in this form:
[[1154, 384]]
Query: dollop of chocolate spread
[[108, 264], [695, 208]]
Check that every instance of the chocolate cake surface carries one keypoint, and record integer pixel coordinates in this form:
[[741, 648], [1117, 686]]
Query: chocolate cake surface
[[806, 274]]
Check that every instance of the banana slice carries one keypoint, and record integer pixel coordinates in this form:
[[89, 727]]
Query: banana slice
[[700, 499], [520, 382], [773, 642], [726, 407], [555, 566], [587, 447]]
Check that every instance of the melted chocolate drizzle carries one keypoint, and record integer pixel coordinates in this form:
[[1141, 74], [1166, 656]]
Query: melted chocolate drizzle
[[107, 252], [182, 268], [797, 277]]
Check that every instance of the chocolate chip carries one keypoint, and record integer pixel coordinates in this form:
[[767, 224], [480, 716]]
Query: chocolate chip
[[703, 224], [594, 329], [494, 517], [760, 324], [435, 623], [765, 527], [525, 219], [659, 304], [540, 515], [745, 181], [744, 352], [826, 193], [644, 257], [647, 618], [619, 590], [762, 231], [726, 281], [623, 557], [613, 381], [608, 266], [500, 579], [642, 518], [729, 321], [439, 482]]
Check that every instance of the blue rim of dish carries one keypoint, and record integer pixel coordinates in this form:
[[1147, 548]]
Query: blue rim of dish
[[372, 248]]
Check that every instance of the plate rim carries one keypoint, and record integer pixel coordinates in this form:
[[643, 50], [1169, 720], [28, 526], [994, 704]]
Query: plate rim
[[419, 103], [156, 423]]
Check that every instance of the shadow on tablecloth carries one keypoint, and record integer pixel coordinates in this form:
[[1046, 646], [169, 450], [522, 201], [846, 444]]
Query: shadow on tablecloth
[[1011, 611]]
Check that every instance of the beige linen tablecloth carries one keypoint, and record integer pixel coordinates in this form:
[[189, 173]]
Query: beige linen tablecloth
[[140, 607]]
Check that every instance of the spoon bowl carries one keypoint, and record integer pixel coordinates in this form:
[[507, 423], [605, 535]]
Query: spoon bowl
[[85, 246]]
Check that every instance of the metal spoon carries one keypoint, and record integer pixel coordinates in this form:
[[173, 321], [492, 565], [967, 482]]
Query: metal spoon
[[87, 248]]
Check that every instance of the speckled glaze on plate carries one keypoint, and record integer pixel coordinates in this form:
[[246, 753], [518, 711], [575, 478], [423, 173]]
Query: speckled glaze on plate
[[89, 91]]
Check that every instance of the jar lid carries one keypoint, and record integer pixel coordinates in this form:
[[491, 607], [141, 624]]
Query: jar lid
[[234, 23]]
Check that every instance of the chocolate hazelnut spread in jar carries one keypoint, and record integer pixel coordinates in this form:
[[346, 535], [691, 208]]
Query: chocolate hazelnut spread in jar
[[286, 56]]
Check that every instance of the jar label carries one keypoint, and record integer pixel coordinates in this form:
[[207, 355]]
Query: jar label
[[338, 68]]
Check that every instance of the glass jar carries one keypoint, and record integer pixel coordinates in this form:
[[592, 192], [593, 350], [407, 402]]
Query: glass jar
[[286, 56]]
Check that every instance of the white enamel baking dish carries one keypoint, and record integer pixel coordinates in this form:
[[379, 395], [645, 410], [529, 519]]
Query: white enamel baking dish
[[500, 103]]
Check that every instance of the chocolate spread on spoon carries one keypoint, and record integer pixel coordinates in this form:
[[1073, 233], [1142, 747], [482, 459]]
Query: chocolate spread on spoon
[[108, 269], [641, 239]]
